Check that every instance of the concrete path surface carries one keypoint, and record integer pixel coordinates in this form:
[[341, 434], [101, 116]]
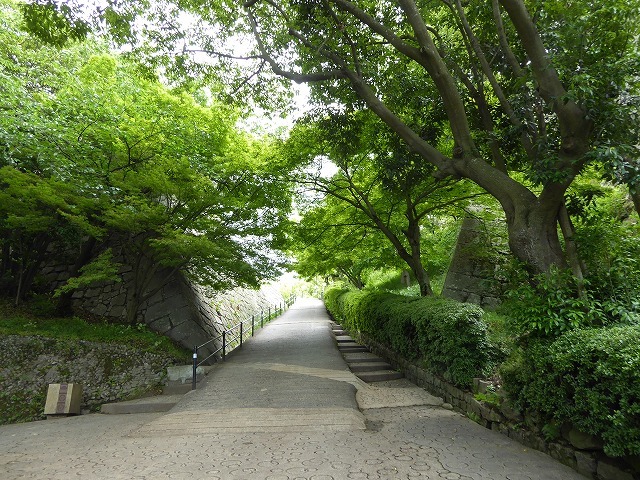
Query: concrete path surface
[[286, 407]]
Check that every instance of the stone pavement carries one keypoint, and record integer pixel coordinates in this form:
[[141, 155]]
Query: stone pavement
[[283, 407]]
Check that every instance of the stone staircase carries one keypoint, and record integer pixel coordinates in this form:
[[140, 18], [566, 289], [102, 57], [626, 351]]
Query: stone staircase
[[365, 365]]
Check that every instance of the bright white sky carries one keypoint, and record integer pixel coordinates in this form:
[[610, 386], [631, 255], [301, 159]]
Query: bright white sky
[[264, 123]]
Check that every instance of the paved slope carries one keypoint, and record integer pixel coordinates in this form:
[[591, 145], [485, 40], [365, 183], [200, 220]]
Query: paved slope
[[293, 416]]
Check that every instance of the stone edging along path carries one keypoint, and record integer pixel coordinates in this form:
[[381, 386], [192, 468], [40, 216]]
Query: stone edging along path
[[588, 460]]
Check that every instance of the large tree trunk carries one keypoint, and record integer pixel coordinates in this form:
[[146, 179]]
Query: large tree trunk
[[635, 196], [533, 237], [414, 260], [422, 278]]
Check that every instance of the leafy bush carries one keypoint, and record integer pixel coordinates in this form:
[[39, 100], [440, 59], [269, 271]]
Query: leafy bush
[[28, 320], [587, 378], [552, 303], [448, 336], [611, 251]]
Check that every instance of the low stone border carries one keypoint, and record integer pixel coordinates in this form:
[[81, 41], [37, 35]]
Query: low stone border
[[588, 461]]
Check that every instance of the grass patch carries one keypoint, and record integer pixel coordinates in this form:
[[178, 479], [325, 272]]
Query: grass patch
[[23, 321]]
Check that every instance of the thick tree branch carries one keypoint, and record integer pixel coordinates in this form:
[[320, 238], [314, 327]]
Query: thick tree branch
[[488, 72], [435, 66], [295, 76], [575, 129], [504, 42]]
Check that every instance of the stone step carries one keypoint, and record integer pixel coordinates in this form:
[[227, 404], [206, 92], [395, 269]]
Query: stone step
[[369, 366], [349, 343], [360, 357], [336, 326], [344, 339], [177, 388], [161, 403], [253, 420], [352, 349], [378, 376]]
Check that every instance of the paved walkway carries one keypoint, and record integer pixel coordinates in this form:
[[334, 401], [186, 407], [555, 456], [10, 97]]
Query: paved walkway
[[283, 407]]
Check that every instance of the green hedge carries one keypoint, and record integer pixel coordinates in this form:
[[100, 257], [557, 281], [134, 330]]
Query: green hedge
[[449, 337], [586, 378]]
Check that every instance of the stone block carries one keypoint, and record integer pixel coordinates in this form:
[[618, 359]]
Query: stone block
[[92, 292], [474, 298], [453, 391], [489, 414], [586, 464], [474, 406], [117, 311], [535, 441], [490, 302], [63, 399], [161, 325], [607, 470], [500, 428], [119, 300], [481, 386], [462, 282], [510, 412], [584, 441], [183, 373], [517, 435], [100, 309], [565, 455]]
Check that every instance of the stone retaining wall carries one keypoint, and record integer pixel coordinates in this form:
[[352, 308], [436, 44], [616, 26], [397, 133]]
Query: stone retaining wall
[[588, 460], [107, 373], [189, 314], [471, 274]]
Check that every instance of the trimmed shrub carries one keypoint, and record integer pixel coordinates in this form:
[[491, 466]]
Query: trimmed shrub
[[448, 336], [587, 378], [452, 338], [331, 296]]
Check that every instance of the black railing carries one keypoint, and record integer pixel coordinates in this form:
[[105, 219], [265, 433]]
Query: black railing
[[233, 336]]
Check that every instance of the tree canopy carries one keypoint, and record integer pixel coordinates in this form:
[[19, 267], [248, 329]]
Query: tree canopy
[[380, 188], [109, 159], [504, 93]]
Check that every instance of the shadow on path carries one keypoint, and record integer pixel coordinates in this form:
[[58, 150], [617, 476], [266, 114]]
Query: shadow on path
[[283, 407]]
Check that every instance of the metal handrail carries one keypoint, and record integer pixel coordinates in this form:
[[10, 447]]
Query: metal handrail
[[239, 337]]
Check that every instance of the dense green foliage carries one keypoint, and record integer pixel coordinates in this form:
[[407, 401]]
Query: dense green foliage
[[375, 206], [448, 337], [37, 318], [607, 234], [504, 93], [375, 209], [111, 167], [587, 378]]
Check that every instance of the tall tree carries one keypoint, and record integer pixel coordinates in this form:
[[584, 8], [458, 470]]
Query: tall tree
[[379, 184], [522, 89], [109, 159], [330, 241]]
